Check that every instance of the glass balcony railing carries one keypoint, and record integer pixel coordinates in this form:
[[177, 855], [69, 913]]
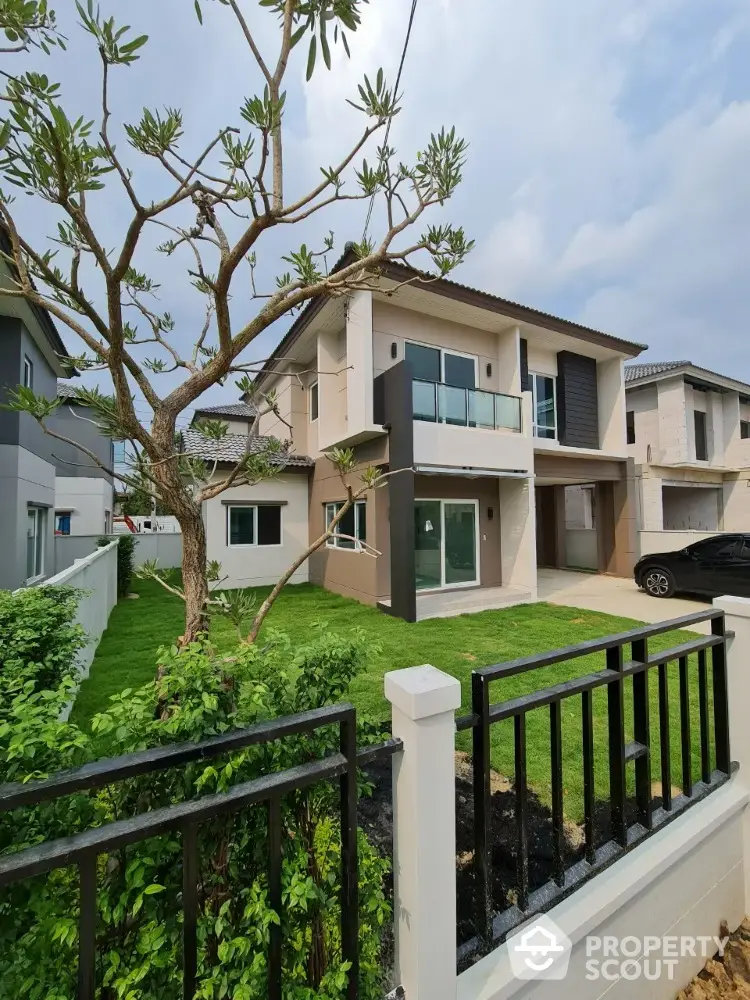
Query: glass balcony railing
[[450, 404]]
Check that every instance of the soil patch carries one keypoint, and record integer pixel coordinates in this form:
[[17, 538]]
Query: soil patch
[[726, 978]]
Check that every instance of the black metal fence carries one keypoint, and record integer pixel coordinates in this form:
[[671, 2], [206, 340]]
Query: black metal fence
[[492, 925], [83, 849]]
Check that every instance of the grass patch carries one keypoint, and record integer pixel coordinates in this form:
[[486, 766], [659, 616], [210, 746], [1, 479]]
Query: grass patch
[[137, 628]]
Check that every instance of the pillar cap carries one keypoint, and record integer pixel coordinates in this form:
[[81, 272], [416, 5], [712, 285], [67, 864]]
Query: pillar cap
[[738, 606], [420, 692]]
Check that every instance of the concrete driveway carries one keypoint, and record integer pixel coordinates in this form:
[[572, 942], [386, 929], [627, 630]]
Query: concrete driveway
[[614, 596]]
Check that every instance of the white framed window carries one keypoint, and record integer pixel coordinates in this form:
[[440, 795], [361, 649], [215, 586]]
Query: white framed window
[[28, 372], [353, 524], [254, 525], [36, 528], [544, 394], [313, 392]]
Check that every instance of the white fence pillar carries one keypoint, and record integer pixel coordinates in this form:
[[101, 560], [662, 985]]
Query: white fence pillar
[[737, 619], [424, 701]]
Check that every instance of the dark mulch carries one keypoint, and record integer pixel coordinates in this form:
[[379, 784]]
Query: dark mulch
[[376, 818]]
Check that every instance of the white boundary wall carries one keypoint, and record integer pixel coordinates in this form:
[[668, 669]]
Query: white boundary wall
[[166, 547], [96, 574], [671, 541], [685, 880]]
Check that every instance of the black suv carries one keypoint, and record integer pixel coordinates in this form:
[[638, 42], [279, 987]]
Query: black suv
[[712, 567]]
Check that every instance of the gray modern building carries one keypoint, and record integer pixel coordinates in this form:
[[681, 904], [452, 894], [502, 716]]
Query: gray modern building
[[43, 482]]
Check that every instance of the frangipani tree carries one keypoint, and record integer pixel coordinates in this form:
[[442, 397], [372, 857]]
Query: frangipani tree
[[221, 202]]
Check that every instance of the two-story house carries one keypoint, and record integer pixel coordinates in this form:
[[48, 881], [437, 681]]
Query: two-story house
[[689, 435], [33, 466], [481, 412]]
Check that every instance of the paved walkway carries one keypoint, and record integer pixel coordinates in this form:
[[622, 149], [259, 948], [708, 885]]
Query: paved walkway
[[614, 596]]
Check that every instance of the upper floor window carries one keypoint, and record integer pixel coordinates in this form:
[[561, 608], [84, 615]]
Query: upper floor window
[[630, 426], [28, 372], [314, 398], [544, 395], [256, 524], [701, 437], [745, 428], [433, 364]]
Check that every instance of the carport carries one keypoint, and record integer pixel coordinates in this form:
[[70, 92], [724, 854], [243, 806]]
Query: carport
[[585, 514]]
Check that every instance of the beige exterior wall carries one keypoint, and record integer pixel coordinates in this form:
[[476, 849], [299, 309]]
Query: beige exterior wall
[[332, 385], [518, 534], [353, 574], [736, 495], [610, 377], [394, 324], [673, 423], [292, 404], [541, 359], [258, 565]]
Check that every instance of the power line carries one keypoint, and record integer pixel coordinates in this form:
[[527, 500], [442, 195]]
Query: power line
[[395, 95]]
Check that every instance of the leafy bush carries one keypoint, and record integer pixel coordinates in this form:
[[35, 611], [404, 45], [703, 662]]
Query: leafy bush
[[198, 692], [125, 558], [39, 638]]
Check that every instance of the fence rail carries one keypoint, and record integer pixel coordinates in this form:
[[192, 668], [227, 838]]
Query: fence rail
[[83, 849], [491, 926]]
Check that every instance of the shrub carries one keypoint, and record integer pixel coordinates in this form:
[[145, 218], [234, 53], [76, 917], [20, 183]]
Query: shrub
[[198, 692], [125, 556], [39, 637]]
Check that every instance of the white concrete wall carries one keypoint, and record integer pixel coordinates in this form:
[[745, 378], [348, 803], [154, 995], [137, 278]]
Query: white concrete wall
[[254, 566], [331, 424], [166, 548], [644, 402], [96, 575], [670, 541], [651, 507], [675, 424], [87, 500]]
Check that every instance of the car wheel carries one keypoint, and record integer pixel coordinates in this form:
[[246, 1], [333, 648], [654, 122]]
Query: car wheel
[[658, 582]]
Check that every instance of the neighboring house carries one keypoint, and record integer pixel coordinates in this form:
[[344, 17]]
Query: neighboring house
[[84, 494], [483, 412], [33, 464], [689, 434]]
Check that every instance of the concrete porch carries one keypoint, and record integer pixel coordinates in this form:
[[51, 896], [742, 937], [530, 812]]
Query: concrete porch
[[449, 603]]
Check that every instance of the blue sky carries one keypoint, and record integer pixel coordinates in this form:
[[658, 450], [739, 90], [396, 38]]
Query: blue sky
[[610, 141]]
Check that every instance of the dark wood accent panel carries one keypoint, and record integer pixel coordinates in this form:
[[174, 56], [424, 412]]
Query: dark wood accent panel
[[577, 401], [394, 396], [525, 377]]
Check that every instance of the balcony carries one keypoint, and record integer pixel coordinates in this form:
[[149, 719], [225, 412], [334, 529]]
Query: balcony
[[436, 402], [495, 445]]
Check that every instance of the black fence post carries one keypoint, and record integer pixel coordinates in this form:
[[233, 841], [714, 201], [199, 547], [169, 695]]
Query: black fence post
[[721, 697], [189, 909], [555, 732], [482, 805], [642, 734], [349, 867], [522, 833], [616, 721]]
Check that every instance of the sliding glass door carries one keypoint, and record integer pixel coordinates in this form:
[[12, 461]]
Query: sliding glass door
[[445, 543]]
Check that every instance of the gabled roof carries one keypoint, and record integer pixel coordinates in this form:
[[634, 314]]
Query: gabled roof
[[651, 368], [245, 410], [233, 448], [453, 290], [701, 378], [66, 389]]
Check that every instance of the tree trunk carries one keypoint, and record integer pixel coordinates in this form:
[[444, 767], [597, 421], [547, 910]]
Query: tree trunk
[[194, 583]]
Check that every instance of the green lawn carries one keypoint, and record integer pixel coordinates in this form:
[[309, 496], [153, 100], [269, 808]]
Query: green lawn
[[137, 628]]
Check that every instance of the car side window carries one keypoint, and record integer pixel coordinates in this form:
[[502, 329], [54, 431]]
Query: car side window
[[715, 548], [745, 551]]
